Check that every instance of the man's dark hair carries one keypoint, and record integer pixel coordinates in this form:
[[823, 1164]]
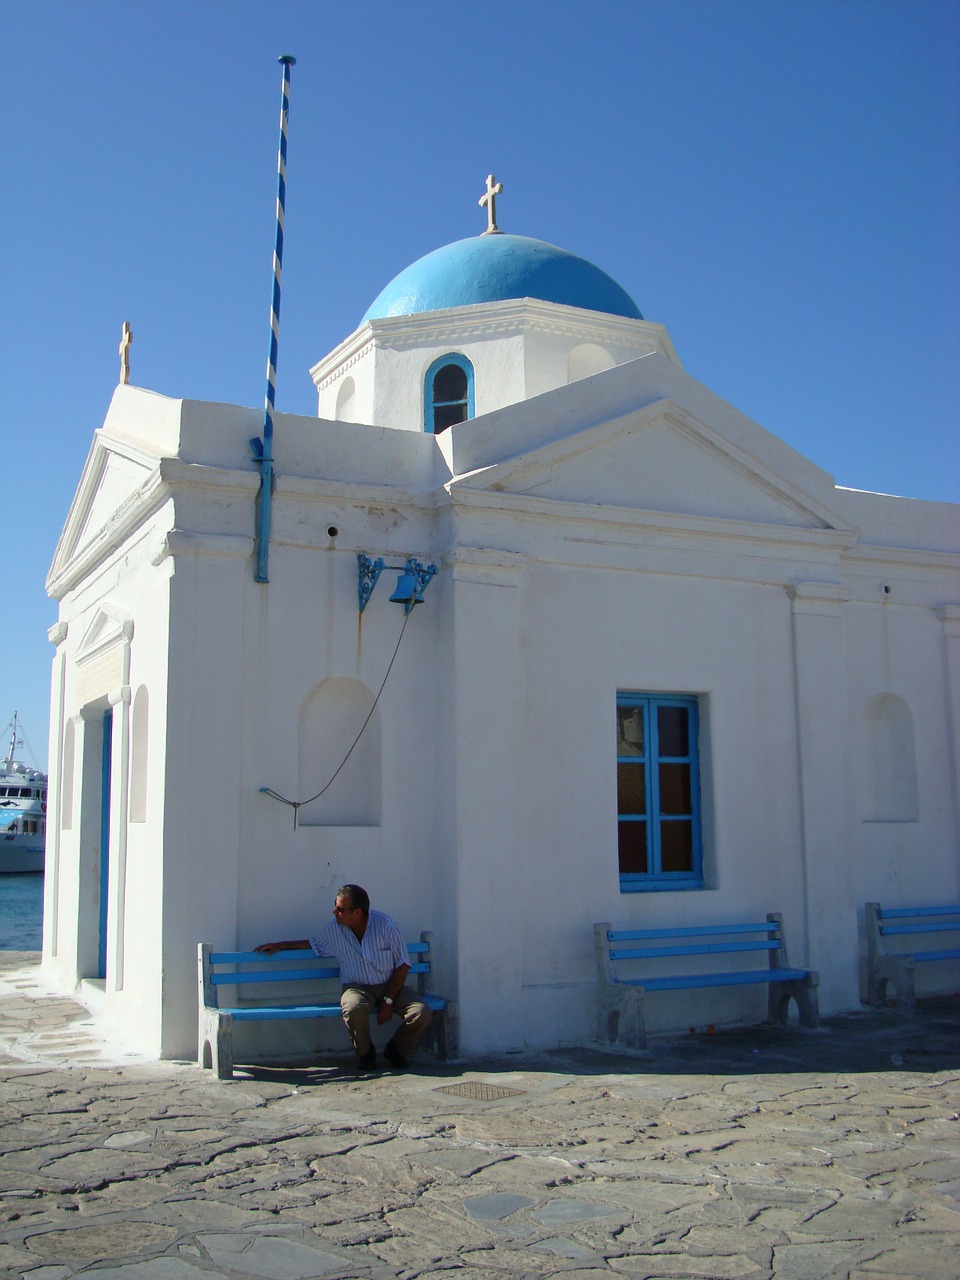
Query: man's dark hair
[[356, 896]]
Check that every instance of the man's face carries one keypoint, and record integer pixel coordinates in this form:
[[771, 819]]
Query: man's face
[[345, 913]]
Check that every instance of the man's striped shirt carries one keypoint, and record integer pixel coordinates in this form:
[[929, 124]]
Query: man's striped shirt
[[370, 962]]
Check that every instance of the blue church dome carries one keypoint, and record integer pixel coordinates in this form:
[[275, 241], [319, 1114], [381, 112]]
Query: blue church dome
[[497, 268]]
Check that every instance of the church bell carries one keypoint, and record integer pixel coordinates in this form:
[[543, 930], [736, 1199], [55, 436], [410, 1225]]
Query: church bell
[[409, 591]]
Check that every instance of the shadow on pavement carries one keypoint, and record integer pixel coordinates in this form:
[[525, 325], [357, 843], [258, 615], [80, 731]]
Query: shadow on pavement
[[869, 1041]]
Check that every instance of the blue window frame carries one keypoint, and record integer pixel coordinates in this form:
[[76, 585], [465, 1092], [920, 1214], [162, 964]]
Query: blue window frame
[[658, 793], [447, 392]]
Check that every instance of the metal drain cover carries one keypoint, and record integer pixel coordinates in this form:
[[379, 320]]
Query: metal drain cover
[[478, 1091]]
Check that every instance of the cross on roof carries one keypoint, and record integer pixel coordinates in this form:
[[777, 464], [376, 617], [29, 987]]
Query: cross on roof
[[125, 340], [489, 198]]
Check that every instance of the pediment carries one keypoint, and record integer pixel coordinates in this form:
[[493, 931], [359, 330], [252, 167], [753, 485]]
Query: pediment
[[119, 476], [114, 480], [658, 459], [109, 628]]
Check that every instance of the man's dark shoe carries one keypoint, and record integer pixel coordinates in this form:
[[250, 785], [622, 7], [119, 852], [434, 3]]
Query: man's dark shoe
[[368, 1060], [394, 1056]]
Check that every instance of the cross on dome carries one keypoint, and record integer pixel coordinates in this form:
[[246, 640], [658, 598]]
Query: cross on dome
[[489, 199]]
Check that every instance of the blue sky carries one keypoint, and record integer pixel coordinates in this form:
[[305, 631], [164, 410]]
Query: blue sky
[[779, 184]]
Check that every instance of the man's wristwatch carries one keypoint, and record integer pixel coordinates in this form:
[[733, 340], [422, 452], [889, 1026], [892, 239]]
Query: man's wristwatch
[[388, 1000]]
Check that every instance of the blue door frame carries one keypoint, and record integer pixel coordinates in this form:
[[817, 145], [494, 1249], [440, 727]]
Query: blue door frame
[[104, 840]]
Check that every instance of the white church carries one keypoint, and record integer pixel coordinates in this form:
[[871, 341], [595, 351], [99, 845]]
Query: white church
[[550, 634]]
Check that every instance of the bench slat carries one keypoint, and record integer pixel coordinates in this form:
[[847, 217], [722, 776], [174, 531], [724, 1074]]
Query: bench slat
[[272, 975], [945, 926], [271, 1013], [692, 931], [951, 953], [301, 954], [900, 913], [680, 981], [274, 1013], [258, 957], [694, 949], [246, 976]]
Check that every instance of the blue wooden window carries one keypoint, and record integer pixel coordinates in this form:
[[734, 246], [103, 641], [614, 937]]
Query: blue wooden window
[[658, 793], [447, 392]]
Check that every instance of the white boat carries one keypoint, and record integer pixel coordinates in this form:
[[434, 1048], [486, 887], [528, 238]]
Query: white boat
[[23, 809]]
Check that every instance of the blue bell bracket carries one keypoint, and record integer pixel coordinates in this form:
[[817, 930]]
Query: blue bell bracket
[[369, 576], [413, 581]]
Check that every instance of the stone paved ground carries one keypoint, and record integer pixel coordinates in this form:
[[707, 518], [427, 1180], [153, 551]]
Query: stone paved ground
[[749, 1155]]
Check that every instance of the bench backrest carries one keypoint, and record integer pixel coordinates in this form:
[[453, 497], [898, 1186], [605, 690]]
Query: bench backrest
[[251, 968], [889, 922], [613, 945]]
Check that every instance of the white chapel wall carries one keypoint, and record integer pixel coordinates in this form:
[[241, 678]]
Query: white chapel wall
[[100, 680]]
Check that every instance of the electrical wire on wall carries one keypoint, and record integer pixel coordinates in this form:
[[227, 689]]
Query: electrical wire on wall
[[297, 805]]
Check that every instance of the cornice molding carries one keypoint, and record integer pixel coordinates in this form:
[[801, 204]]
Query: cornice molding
[[350, 352], [176, 474], [824, 599], [486, 567], [635, 521], [357, 493], [868, 555], [184, 542], [491, 319]]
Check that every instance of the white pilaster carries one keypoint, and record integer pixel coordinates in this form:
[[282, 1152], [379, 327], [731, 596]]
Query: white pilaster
[[949, 615], [119, 699], [830, 923], [486, 679], [51, 885]]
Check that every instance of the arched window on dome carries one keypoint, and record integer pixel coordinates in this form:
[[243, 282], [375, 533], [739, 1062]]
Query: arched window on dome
[[447, 393]]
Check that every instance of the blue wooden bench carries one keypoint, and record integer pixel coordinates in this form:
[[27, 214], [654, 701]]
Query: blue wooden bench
[[897, 965], [625, 973], [307, 992]]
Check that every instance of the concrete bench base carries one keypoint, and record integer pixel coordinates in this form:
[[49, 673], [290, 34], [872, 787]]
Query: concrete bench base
[[624, 976], [243, 970], [898, 968]]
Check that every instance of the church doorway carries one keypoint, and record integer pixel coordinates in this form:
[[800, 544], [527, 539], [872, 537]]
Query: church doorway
[[105, 781]]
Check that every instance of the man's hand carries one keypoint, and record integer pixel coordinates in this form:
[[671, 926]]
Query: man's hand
[[384, 1012]]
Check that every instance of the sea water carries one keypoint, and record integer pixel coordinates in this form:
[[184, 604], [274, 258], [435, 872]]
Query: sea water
[[21, 912]]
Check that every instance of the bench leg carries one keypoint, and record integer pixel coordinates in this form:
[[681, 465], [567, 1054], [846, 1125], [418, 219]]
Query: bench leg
[[898, 970], [215, 1043], [805, 994], [439, 1026], [620, 1019], [451, 1032], [441, 1033]]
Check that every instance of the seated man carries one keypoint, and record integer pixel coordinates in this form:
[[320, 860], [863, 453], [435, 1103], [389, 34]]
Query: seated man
[[373, 967]]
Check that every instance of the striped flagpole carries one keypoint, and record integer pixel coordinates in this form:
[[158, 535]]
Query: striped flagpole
[[266, 451]]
